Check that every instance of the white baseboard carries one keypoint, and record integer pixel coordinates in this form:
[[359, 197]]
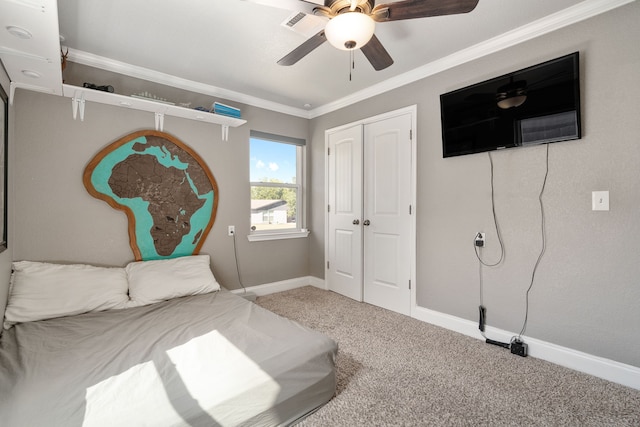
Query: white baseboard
[[318, 283], [283, 285], [593, 365], [607, 369]]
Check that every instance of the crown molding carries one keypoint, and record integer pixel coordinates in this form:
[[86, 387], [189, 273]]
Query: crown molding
[[558, 20]]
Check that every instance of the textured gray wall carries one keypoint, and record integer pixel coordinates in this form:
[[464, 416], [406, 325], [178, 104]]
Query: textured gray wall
[[587, 287], [57, 220]]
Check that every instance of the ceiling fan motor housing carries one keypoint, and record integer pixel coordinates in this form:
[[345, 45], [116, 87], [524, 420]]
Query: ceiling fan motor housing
[[341, 6]]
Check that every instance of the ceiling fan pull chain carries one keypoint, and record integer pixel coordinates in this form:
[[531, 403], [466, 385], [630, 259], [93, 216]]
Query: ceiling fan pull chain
[[352, 62]]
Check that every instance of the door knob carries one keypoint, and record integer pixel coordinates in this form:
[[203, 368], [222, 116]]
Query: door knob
[[356, 221], [366, 222]]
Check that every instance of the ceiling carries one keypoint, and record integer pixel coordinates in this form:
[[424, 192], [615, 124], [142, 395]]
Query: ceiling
[[230, 48]]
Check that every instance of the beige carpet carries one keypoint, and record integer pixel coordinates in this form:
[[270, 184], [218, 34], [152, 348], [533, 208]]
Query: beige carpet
[[396, 371]]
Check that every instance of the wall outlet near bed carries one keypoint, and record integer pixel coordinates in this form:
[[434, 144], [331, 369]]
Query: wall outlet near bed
[[232, 230]]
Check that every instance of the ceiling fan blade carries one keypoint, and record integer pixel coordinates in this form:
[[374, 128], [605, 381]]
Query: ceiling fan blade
[[301, 51], [410, 9], [377, 54]]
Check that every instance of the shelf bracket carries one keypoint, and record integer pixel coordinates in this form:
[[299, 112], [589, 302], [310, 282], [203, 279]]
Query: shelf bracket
[[160, 121], [225, 132], [77, 104]]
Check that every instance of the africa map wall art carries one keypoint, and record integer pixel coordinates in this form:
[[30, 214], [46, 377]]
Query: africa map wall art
[[167, 191]]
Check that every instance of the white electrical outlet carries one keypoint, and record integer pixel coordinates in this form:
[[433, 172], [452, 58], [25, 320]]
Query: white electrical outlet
[[480, 239], [232, 230]]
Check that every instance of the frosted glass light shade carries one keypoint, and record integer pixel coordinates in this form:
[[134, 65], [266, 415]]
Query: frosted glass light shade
[[350, 30], [512, 101], [512, 95]]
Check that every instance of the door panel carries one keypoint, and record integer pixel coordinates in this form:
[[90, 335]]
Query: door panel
[[344, 272], [385, 265], [344, 158], [387, 197], [385, 173], [344, 263]]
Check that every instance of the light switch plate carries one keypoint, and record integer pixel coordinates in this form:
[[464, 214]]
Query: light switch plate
[[600, 200]]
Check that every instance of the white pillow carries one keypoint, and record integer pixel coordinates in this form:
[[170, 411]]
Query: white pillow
[[154, 281], [40, 290]]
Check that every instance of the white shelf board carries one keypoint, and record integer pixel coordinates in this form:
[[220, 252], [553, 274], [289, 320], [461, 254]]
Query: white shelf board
[[77, 93]]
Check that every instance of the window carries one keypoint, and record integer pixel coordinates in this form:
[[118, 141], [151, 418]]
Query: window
[[276, 186]]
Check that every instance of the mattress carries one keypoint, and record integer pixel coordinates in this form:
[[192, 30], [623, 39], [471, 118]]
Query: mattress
[[205, 360]]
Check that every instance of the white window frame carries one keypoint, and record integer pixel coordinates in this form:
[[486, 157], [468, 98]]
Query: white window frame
[[299, 186]]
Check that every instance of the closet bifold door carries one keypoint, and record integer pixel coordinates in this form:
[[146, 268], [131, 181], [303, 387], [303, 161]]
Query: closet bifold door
[[344, 182], [387, 200], [369, 194]]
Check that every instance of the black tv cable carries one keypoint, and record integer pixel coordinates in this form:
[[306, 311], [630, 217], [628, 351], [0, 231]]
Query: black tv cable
[[542, 249], [481, 262]]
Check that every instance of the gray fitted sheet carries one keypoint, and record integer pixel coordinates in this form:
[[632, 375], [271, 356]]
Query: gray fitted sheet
[[206, 360]]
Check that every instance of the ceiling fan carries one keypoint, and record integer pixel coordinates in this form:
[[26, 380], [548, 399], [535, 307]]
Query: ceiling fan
[[522, 85], [351, 25]]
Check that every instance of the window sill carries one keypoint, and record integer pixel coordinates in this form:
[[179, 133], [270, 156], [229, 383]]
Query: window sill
[[261, 237]]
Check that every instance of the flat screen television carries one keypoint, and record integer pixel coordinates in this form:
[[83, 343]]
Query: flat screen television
[[536, 105]]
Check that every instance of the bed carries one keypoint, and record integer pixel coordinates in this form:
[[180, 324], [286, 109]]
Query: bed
[[207, 358]]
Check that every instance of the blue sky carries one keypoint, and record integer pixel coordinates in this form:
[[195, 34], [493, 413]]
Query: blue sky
[[272, 160]]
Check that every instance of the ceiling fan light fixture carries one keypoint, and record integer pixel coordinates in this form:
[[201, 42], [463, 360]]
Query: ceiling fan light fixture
[[512, 95], [512, 101], [350, 30]]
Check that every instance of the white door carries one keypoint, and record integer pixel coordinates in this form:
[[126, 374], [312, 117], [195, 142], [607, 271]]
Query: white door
[[344, 181], [387, 213]]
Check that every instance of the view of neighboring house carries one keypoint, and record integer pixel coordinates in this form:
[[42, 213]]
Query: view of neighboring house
[[269, 212]]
